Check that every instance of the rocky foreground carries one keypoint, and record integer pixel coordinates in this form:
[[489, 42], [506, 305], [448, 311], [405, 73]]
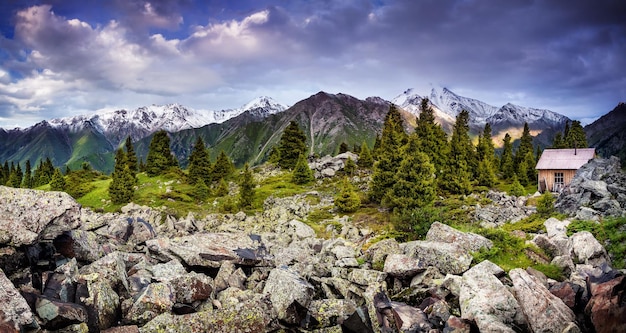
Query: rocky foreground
[[67, 269]]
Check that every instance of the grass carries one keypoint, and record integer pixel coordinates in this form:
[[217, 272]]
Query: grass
[[610, 232]]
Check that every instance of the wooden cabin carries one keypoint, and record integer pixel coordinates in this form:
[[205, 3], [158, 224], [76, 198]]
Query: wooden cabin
[[557, 167]]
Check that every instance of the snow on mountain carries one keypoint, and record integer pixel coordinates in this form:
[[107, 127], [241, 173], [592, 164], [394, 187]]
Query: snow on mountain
[[520, 114], [171, 117]]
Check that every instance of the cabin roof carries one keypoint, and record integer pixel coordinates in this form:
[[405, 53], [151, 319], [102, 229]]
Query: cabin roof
[[565, 159]]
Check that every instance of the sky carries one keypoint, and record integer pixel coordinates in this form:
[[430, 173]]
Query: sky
[[60, 58]]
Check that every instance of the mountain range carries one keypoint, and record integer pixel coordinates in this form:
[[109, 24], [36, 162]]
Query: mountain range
[[248, 133]]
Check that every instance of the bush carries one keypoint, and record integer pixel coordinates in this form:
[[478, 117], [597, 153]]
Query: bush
[[545, 204], [347, 201], [415, 223], [516, 188]]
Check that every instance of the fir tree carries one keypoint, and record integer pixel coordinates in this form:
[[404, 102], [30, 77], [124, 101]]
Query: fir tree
[[545, 204], [58, 181], [27, 181], [350, 167], [343, 147], [433, 140], [14, 179], [160, 158], [516, 188], [486, 172], [246, 188], [274, 156], [531, 172], [356, 149], [558, 142], [121, 188], [302, 174], [222, 168], [200, 190], [292, 144], [388, 156], [365, 157], [526, 145], [3, 179], [458, 172], [485, 148], [507, 168], [131, 157], [199, 163], [414, 182], [222, 188], [347, 200], [576, 137]]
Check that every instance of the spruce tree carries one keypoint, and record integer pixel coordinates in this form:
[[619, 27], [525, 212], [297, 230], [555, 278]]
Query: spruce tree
[[485, 151], [200, 190], [531, 172], [27, 181], [350, 167], [58, 181], [199, 163], [486, 173], [302, 174], [246, 188], [131, 157], [458, 172], [414, 182], [222, 188], [14, 179], [160, 158], [389, 156], [558, 142], [343, 147], [274, 156], [433, 140], [222, 168], [516, 188], [2, 176], [576, 137], [292, 144], [507, 168], [121, 188], [365, 157], [347, 200], [526, 145]]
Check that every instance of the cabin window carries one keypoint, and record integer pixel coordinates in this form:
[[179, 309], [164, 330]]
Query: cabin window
[[558, 178]]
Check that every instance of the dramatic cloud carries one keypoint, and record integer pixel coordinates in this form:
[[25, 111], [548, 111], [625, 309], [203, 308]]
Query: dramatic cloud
[[65, 57]]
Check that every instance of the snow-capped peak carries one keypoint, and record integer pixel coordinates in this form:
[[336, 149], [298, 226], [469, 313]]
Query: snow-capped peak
[[264, 102]]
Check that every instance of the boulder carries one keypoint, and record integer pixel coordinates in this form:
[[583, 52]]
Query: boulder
[[191, 287], [56, 315], [86, 246], [301, 230], [448, 257], [156, 299], [32, 215], [544, 311], [402, 266], [556, 227], [570, 293], [103, 305], [588, 250], [607, 308], [366, 277], [468, 241], [486, 301], [379, 251], [331, 312], [289, 294], [13, 306]]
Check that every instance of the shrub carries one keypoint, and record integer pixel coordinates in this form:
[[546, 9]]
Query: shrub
[[545, 204], [415, 223], [347, 201]]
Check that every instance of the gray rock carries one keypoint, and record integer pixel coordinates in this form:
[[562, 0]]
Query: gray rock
[[402, 266], [565, 263], [486, 301], [426, 277], [366, 277], [301, 230], [156, 299], [86, 246], [191, 287], [56, 315], [556, 227], [287, 292], [588, 250], [331, 312], [447, 257], [13, 305], [470, 242], [103, 302], [29, 216], [544, 311], [379, 251]]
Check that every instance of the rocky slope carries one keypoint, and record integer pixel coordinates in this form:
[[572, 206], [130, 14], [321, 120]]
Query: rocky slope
[[141, 270], [608, 133]]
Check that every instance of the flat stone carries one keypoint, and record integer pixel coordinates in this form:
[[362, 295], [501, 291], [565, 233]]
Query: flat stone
[[402, 266]]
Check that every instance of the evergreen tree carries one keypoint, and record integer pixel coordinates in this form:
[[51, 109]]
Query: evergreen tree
[[246, 188], [222, 168], [507, 168], [160, 157], [531, 172], [576, 137], [67, 170], [121, 188], [14, 179], [516, 188], [388, 156], [6, 171], [3, 179], [302, 174], [200, 190], [522, 173], [274, 156], [350, 167], [414, 182], [376, 148], [347, 200], [433, 140], [131, 157], [356, 149], [486, 172], [545, 204], [222, 188], [343, 147], [558, 142], [292, 144], [526, 145], [27, 181], [485, 151], [458, 172], [365, 157], [199, 163], [58, 181], [19, 175]]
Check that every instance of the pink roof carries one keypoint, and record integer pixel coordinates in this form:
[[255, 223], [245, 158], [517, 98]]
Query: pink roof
[[565, 159]]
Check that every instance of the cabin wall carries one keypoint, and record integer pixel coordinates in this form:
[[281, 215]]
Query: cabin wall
[[548, 175]]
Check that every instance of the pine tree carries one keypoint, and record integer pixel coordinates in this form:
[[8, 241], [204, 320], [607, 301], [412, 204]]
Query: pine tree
[[160, 157], [347, 200], [558, 142], [3, 179], [350, 167], [27, 181], [222, 188], [507, 168], [246, 188], [58, 181], [14, 179], [526, 145], [274, 156], [222, 168], [343, 147], [531, 172], [486, 173], [292, 144], [131, 157], [121, 188], [365, 157], [433, 140], [576, 137], [414, 182], [516, 188], [485, 151], [302, 174], [200, 190], [199, 163], [458, 172], [389, 156]]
